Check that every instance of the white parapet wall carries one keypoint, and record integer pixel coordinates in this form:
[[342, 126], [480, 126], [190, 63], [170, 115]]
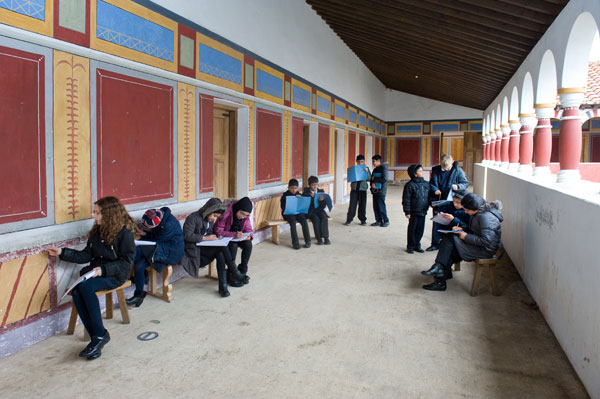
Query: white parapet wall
[[551, 235]]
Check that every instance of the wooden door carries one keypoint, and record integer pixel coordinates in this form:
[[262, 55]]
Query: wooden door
[[472, 153], [221, 152]]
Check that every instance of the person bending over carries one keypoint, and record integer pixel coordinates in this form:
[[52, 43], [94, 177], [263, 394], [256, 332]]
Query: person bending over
[[110, 251], [234, 223], [480, 240], [198, 227]]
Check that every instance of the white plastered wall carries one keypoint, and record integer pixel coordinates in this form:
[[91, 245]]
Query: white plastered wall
[[401, 106]]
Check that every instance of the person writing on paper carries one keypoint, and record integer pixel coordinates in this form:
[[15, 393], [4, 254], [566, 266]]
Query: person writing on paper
[[293, 191], [446, 177], [379, 190], [160, 226], [234, 223], [453, 212], [480, 240], [198, 227], [415, 201], [317, 214], [358, 196], [110, 251]]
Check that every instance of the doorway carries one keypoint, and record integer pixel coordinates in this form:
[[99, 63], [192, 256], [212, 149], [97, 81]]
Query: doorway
[[224, 150]]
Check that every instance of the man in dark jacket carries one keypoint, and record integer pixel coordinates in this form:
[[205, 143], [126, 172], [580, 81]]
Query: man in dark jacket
[[446, 177], [415, 201], [379, 189]]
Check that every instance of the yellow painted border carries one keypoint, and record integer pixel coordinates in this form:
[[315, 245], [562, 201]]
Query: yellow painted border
[[31, 24], [287, 145], [327, 97], [258, 65], [434, 124], [585, 148], [425, 151], [251, 106], [355, 110], [201, 39], [338, 102], [143, 12], [305, 87], [186, 119]]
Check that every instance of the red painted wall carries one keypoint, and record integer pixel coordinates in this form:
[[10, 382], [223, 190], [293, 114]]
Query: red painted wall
[[268, 146], [297, 147], [435, 151], [206, 175], [134, 138], [408, 151], [351, 148], [361, 144], [554, 153], [22, 129], [323, 162]]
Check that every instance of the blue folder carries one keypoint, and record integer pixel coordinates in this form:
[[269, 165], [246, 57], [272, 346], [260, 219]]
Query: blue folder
[[327, 200], [377, 185], [357, 173], [296, 205]]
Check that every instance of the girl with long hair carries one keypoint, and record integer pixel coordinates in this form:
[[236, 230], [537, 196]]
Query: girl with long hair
[[110, 252]]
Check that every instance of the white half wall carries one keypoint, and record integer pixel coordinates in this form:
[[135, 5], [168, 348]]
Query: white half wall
[[552, 238], [401, 106], [290, 34]]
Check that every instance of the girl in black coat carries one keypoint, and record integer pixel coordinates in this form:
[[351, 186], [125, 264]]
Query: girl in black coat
[[480, 240], [415, 201], [110, 251]]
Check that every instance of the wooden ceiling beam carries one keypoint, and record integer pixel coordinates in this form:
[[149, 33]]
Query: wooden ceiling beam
[[510, 10], [552, 8]]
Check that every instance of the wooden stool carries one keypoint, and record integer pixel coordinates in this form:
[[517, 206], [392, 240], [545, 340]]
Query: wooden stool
[[167, 288], [274, 224], [479, 265], [211, 270], [109, 308]]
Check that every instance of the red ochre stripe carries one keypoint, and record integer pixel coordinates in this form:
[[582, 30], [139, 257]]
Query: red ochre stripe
[[12, 296], [43, 302], [34, 290]]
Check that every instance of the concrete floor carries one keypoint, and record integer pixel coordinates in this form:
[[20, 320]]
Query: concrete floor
[[345, 321]]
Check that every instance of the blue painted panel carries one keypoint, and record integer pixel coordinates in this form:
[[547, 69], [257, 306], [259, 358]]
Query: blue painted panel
[[452, 127], [408, 128], [595, 123], [555, 125], [128, 30], [323, 105], [377, 127], [301, 96], [221, 65], [269, 84], [32, 8], [476, 126], [371, 124], [340, 111], [351, 116], [362, 120]]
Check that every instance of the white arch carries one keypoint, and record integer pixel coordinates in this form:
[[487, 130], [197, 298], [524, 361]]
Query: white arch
[[488, 124], [577, 53], [527, 95], [498, 117], [547, 84], [504, 120], [513, 114], [493, 122]]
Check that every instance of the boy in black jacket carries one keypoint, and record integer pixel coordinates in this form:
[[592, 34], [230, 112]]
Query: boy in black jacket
[[317, 214], [415, 201], [292, 219]]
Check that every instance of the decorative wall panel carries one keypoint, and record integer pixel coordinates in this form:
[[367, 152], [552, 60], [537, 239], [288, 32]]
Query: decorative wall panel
[[269, 127]]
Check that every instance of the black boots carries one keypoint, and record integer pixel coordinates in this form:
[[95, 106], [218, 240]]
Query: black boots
[[94, 348], [137, 299], [437, 285], [434, 270]]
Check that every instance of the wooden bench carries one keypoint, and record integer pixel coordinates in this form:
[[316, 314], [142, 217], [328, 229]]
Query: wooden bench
[[109, 308], [275, 231], [166, 292], [480, 264]]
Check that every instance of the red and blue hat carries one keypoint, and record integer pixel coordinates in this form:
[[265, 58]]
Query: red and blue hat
[[152, 218]]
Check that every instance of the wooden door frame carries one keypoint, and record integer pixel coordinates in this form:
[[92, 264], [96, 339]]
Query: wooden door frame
[[232, 147]]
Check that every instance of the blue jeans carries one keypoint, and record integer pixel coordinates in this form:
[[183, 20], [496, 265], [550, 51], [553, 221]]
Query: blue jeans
[[143, 254], [379, 209], [87, 304]]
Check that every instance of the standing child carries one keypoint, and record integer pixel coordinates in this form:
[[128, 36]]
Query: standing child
[[379, 189], [358, 196], [292, 219], [415, 201], [317, 214]]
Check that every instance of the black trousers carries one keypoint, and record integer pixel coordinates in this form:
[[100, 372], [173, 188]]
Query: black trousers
[[416, 227], [357, 198], [246, 247], [320, 224], [300, 218], [222, 256], [447, 254]]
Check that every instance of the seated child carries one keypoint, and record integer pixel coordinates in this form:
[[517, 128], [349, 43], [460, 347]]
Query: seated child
[[198, 227], [453, 212], [292, 219], [161, 226], [317, 215], [415, 201]]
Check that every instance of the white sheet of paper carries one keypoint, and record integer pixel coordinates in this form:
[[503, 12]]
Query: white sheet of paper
[[439, 219], [221, 242], [81, 279], [450, 231], [244, 236], [142, 242]]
